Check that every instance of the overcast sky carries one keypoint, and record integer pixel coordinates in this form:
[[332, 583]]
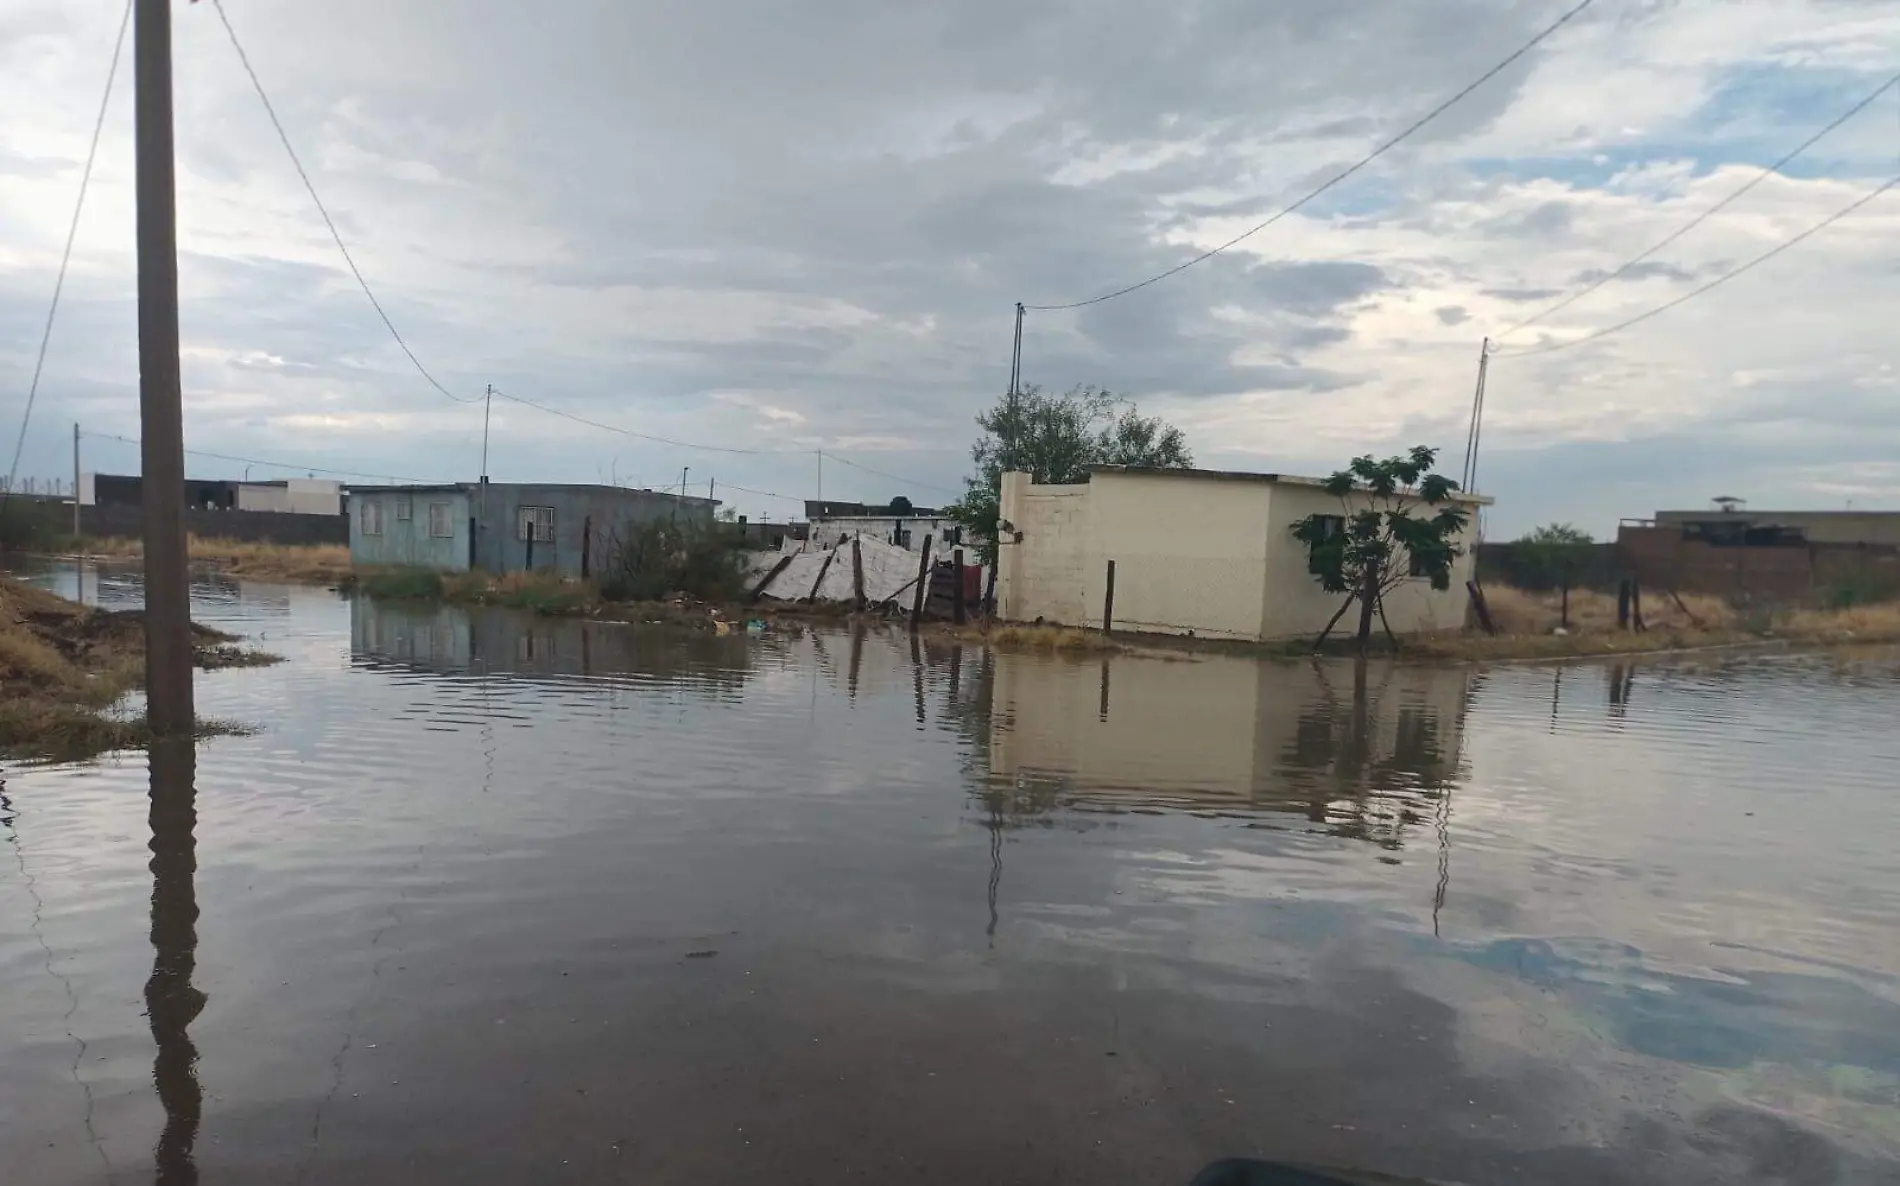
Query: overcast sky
[[799, 226]]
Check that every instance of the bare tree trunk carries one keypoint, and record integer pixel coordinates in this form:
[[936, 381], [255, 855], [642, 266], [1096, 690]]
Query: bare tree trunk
[[1337, 614], [1368, 601]]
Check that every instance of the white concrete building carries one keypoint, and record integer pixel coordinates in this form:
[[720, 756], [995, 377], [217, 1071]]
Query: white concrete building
[[903, 525], [1203, 552], [292, 496]]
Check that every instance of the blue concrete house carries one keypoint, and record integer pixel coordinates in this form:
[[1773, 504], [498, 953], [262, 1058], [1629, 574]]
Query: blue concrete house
[[500, 527]]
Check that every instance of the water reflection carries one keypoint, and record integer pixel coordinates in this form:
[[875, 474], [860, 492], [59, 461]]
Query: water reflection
[[172, 1002], [453, 640], [1364, 751]]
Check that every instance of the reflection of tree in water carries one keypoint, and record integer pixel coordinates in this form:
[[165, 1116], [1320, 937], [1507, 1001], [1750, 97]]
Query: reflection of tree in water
[[1356, 782]]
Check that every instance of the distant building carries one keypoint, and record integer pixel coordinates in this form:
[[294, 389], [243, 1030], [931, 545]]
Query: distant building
[[292, 496], [1734, 523], [1203, 552], [1764, 556], [896, 522], [500, 527]]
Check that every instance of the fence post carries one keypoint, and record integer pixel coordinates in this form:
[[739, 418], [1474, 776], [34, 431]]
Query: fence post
[[958, 611], [1108, 602], [1623, 604], [587, 546], [923, 588], [1636, 605]]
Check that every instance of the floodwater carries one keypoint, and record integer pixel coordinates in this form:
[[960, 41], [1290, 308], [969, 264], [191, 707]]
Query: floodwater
[[490, 899]]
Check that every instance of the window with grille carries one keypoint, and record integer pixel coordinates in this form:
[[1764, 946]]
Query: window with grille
[[535, 523], [372, 516], [1331, 528], [441, 520], [405, 507]]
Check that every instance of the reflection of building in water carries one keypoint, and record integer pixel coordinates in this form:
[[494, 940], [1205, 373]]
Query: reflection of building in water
[[1364, 751], [455, 640]]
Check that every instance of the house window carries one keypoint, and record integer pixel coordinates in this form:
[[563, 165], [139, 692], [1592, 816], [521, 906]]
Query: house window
[[1331, 527], [372, 516], [1417, 566], [441, 520], [405, 508], [535, 523]]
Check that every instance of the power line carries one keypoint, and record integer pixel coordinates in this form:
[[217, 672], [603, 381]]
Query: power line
[[316, 469], [65, 258], [644, 436], [1764, 257], [321, 209], [1370, 157], [1699, 219], [880, 473]]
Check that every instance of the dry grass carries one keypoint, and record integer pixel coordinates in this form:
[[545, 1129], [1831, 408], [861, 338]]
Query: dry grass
[[316, 564], [1527, 622], [62, 665], [1518, 612], [1029, 637]]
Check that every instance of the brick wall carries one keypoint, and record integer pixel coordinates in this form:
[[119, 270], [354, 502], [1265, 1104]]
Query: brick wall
[[1660, 557]]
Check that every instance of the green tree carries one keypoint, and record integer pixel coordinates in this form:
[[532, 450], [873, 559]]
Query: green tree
[[1555, 554], [1056, 438], [1398, 521]]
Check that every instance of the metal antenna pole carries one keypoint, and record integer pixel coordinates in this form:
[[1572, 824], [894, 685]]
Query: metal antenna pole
[[76, 531], [488, 401], [168, 654], [1468, 472]]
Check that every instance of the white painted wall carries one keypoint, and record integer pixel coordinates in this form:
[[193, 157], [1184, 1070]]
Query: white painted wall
[[298, 496], [1201, 554]]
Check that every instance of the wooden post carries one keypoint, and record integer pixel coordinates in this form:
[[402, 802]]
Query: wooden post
[[857, 573], [1623, 604], [1108, 602], [1565, 619], [758, 590], [1636, 605], [923, 587], [822, 570], [959, 613], [989, 592], [587, 545], [1478, 603]]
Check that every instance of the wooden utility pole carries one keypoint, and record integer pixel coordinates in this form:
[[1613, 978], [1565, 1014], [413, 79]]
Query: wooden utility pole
[[161, 415]]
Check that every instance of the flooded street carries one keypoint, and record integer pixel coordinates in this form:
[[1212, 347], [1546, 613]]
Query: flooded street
[[496, 899]]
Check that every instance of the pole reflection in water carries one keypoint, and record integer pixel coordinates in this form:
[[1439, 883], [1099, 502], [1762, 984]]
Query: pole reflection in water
[[171, 1001]]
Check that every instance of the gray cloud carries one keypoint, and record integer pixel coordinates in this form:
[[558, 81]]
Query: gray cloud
[[625, 209]]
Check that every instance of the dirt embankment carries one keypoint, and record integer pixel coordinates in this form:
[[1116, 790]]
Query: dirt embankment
[[63, 666]]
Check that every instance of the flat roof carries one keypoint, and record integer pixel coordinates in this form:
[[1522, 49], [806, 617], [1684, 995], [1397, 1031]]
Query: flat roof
[[1240, 475]]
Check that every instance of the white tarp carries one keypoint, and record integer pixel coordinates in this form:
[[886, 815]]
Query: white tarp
[[888, 571]]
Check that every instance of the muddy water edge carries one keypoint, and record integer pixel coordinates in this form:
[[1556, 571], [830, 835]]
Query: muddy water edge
[[497, 899]]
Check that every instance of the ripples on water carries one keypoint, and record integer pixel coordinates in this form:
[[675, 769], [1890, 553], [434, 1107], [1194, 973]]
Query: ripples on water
[[501, 899]]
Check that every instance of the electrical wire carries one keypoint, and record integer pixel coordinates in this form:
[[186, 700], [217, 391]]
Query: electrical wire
[[644, 436], [284, 136], [880, 473], [1699, 219], [65, 258], [1764, 257], [1370, 157], [315, 469]]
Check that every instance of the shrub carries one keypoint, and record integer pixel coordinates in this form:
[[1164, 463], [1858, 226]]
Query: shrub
[[649, 561], [406, 584]]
